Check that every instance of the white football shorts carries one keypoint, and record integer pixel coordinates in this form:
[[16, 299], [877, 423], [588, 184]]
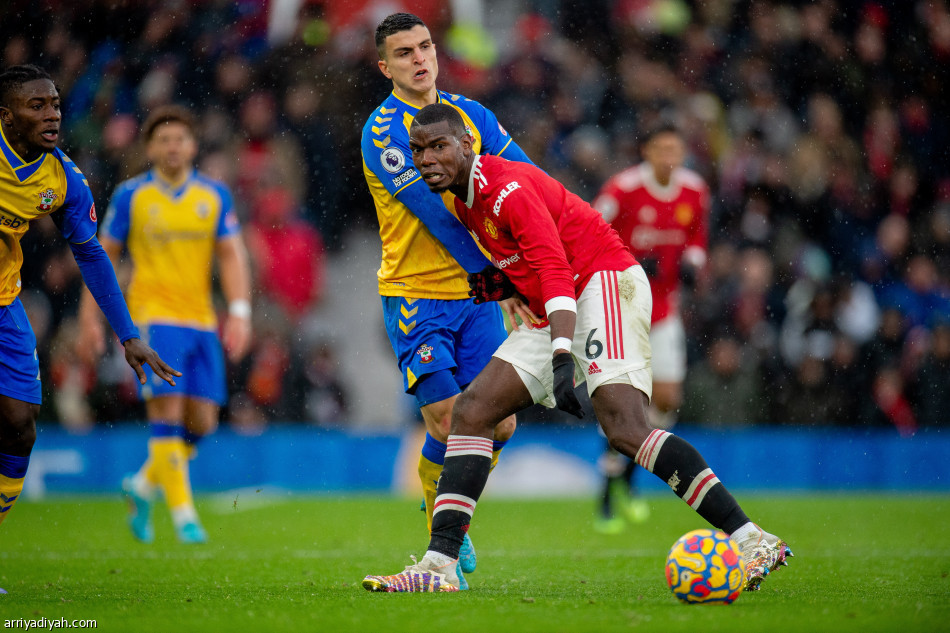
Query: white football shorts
[[611, 338], [668, 341]]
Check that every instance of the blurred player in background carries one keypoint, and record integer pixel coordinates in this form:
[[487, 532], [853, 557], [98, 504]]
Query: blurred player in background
[[37, 179], [175, 223], [661, 211], [440, 337], [575, 272]]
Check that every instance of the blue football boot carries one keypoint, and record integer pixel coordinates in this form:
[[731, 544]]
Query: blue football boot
[[192, 533], [467, 558], [140, 512]]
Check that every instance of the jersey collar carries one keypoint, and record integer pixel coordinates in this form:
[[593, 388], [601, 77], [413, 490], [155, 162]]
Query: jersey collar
[[412, 105], [20, 169], [476, 172], [167, 188], [658, 191]]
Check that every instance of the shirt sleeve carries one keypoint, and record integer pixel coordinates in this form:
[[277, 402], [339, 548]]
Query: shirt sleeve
[[431, 211], [526, 216], [228, 223], [607, 202], [99, 276], [116, 223], [393, 167], [76, 218]]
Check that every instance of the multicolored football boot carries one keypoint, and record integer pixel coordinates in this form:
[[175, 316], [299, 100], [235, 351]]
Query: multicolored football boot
[[763, 554], [140, 512], [416, 578]]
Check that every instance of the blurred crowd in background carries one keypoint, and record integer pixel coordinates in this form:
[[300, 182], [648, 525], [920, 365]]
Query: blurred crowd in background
[[821, 126]]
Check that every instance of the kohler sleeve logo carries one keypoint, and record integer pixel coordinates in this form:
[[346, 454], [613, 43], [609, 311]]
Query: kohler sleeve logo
[[511, 186]]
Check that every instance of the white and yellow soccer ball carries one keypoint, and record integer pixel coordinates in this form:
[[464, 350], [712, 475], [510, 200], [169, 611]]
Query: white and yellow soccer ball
[[705, 567]]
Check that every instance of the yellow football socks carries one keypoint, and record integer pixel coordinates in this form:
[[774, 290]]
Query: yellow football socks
[[148, 473], [168, 455], [12, 473], [495, 453], [429, 473]]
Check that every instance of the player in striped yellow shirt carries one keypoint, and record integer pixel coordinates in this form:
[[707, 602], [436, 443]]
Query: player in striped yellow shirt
[[175, 223], [440, 337], [37, 179]]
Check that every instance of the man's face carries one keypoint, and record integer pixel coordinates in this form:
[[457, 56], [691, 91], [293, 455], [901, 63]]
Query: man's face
[[439, 156], [665, 152], [31, 119], [409, 60], [172, 147]]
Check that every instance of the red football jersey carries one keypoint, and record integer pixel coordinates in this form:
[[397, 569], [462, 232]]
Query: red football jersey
[[662, 223], [548, 241]]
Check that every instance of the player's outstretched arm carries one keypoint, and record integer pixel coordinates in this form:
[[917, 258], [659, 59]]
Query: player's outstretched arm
[[91, 330], [446, 228], [137, 353]]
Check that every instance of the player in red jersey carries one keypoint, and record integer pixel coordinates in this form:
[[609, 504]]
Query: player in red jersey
[[593, 304], [661, 210]]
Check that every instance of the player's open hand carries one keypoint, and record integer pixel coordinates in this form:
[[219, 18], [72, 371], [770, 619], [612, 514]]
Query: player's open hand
[[564, 395], [491, 284], [516, 307], [236, 337], [138, 353]]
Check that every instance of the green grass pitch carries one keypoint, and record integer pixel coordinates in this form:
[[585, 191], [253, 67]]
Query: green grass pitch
[[294, 563]]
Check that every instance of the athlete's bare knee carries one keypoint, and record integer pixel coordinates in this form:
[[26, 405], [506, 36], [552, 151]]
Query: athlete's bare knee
[[667, 396], [505, 429], [201, 428], [667, 403], [624, 441], [442, 426], [18, 429], [438, 418], [469, 418], [626, 428]]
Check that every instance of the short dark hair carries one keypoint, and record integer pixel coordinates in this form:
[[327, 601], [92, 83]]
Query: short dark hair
[[168, 114], [438, 112], [15, 76], [664, 127], [395, 23]]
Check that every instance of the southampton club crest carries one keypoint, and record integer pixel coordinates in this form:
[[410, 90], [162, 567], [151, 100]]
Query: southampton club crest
[[47, 199], [425, 353]]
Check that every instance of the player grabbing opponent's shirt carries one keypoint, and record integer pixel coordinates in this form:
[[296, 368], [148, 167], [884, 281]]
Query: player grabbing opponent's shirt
[[574, 271], [440, 337]]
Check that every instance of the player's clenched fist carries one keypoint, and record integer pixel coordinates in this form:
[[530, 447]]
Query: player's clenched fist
[[489, 285]]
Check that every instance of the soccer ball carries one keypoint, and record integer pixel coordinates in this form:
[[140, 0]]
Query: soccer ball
[[705, 567]]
